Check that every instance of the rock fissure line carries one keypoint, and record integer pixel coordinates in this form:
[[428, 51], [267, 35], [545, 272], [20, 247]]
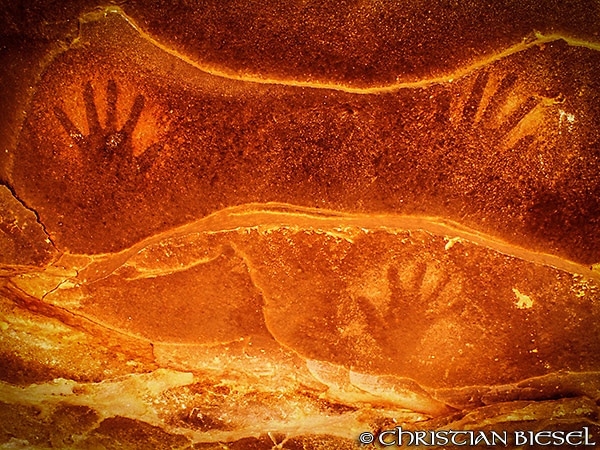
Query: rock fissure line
[[34, 212], [275, 216], [534, 40]]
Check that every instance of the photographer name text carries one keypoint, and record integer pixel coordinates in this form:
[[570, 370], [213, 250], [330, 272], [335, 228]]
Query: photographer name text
[[398, 437]]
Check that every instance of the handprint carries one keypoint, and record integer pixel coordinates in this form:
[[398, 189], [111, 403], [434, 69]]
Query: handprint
[[485, 141], [492, 110], [108, 149]]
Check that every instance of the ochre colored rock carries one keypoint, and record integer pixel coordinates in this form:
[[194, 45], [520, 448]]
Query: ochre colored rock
[[284, 225]]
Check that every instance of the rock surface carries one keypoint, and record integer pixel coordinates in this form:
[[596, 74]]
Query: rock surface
[[336, 226]]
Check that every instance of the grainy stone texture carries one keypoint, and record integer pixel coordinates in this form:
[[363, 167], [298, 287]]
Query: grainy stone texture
[[278, 225]]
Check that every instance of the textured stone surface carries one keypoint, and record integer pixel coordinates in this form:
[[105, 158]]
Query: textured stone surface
[[23, 240], [509, 149], [223, 229]]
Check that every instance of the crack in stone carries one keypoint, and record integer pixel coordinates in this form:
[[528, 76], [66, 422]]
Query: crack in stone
[[534, 39], [271, 216], [33, 211], [240, 254]]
